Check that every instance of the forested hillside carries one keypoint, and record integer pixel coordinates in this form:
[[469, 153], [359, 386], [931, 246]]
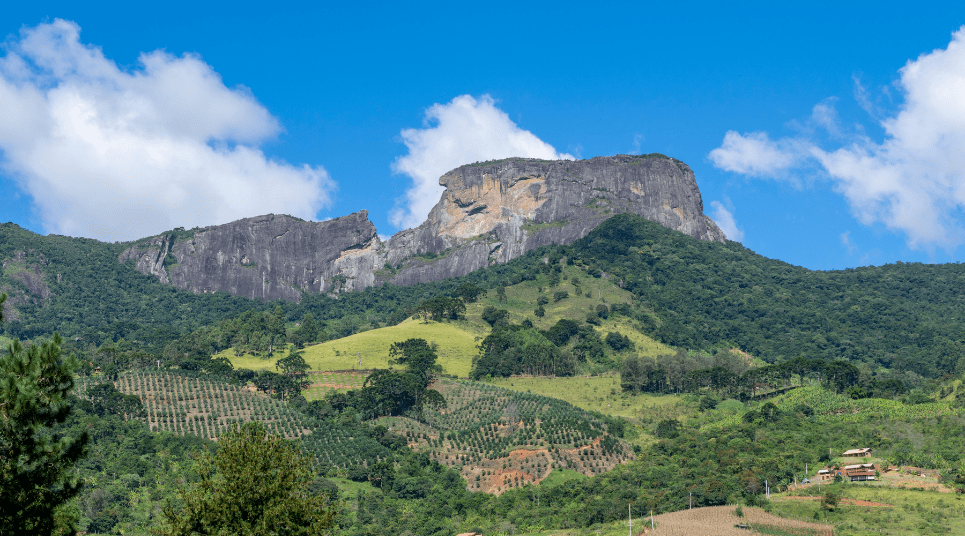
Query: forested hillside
[[691, 294], [903, 316]]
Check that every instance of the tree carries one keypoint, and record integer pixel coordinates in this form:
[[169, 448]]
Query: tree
[[293, 364], [418, 358], [494, 317], [256, 483], [35, 461]]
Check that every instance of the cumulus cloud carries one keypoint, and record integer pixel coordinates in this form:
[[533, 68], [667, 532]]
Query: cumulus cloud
[[914, 180], [119, 154], [754, 154], [462, 131], [725, 220]]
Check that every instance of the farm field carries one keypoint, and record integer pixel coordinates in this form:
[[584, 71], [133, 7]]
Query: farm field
[[500, 439], [370, 349], [706, 521], [603, 394], [184, 404], [875, 508], [325, 382]]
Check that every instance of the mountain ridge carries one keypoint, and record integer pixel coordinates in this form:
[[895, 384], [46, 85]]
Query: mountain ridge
[[490, 213]]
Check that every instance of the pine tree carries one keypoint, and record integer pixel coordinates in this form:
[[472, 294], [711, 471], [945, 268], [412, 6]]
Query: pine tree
[[34, 459], [256, 483]]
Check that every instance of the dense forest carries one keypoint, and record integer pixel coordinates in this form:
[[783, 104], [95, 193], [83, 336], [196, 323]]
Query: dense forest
[[691, 294]]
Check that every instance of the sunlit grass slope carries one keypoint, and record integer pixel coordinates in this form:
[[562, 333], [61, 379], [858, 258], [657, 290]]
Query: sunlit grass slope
[[603, 394], [370, 349], [521, 299]]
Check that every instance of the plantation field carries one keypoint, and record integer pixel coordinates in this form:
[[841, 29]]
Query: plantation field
[[456, 346], [183, 404], [891, 510], [603, 394], [500, 439]]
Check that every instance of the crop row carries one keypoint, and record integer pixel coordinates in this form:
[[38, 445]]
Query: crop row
[[502, 439], [185, 404], [188, 404]]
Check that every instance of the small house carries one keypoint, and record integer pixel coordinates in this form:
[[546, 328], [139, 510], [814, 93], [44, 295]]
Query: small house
[[857, 453], [860, 472], [825, 475]]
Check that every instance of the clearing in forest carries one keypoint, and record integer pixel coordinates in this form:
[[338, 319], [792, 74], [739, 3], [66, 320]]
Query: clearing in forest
[[455, 345], [724, 521], [500, 439]]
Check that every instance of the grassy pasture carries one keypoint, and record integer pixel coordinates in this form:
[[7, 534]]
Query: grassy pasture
[[370, 349], [521, 300], [906, 511], [603, 394], [327, 382]]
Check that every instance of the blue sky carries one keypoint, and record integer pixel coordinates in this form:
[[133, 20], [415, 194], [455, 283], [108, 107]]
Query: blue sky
[[824, 134]]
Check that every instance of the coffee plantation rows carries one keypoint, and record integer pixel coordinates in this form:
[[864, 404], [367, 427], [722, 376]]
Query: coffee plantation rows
[[187, 404], [501, 439], [184, 403]]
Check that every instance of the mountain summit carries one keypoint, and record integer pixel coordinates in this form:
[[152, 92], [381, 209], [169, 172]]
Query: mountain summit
[[490, 213]]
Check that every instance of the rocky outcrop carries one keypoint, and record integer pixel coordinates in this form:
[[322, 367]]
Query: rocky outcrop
[[489, 213], [267, 257], [27, 283]]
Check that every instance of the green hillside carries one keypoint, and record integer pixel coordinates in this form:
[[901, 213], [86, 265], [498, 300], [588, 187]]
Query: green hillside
[[370, 349]]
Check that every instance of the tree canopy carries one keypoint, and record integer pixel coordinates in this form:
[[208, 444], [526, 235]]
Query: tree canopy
[[35, 461], [256, 483]]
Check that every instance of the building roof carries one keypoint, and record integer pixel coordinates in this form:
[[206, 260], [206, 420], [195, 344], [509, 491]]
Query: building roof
[[852, 452]]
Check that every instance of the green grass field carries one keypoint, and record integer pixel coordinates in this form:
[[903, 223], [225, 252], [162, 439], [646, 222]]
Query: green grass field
[[910, 511], [521, 300], [370, 349], [603, 394]]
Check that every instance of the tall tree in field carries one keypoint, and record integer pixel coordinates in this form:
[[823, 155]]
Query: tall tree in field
[[35, 461], [256, 483]]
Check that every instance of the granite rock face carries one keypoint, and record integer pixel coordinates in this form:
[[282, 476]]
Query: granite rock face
[[490, 213], [268, 257]]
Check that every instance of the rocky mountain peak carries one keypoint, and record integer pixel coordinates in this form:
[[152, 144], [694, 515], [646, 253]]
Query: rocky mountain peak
[[490, 212]]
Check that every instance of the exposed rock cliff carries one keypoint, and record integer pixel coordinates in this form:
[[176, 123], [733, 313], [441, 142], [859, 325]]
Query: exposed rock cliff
[[490, 213], [268, 257]]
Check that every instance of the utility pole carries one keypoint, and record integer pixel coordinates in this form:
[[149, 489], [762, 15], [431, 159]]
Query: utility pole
[[651, 519], [629, 519], [691, 500]]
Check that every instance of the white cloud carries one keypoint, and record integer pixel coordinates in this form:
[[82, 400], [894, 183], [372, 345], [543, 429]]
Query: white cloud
[[117, 155], [846, 242], [725, 220], [463, 131], [753, 154], [914, 180]]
